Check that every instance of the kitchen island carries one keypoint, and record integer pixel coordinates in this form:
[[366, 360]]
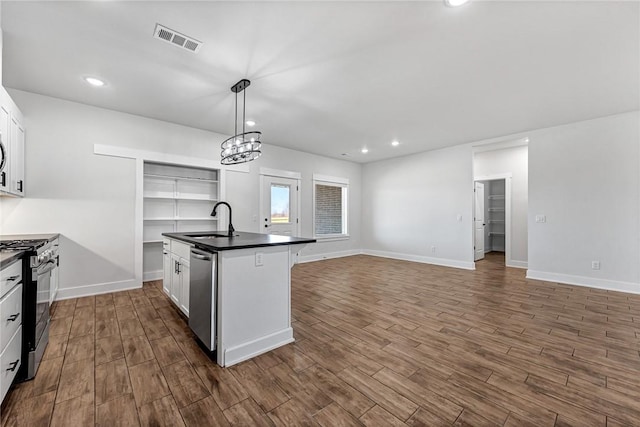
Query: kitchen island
[[239, 289]]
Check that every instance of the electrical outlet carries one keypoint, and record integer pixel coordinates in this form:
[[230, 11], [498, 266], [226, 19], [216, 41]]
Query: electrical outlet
[[433, 249], [259, 259], [459, 218], [595, 265], [254, 218]]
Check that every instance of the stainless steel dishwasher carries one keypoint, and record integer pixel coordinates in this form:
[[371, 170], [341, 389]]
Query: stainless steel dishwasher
[[202, 296]]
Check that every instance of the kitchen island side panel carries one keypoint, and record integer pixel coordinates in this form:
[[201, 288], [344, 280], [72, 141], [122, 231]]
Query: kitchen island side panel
[[254, 302]]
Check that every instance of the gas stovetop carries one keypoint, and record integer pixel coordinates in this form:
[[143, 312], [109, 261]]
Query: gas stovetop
[[21, 245]]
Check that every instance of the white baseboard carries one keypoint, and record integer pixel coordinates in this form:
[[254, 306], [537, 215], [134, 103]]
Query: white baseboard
[[591, 282], [152, 275], [261, 345], [517, 264], [328, 255], [466, 265], [96, 289]]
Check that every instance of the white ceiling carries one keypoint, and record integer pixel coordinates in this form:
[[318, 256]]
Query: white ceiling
[[333, 77]]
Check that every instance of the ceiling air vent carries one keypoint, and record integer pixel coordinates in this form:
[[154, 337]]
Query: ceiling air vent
[[175, 38]]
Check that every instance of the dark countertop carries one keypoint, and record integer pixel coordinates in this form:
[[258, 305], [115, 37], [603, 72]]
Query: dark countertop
[[48, 236], [7, 258], [240, 240]]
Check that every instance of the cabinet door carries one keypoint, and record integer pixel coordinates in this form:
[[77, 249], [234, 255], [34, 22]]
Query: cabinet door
[[184, 281], [17, 157], [167, 265], [4, 139], [175, 279]]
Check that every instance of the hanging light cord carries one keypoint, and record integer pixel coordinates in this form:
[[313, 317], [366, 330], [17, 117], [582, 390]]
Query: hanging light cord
[[235, 123], [244, 104]]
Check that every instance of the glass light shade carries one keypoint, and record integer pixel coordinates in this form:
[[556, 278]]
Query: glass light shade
[[241, 148]]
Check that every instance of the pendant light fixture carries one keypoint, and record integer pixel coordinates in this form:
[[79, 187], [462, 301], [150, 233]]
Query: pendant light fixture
[[245, 146]]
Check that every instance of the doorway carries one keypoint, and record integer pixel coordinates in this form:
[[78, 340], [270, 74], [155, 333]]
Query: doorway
[[491, 219], [279, 203]]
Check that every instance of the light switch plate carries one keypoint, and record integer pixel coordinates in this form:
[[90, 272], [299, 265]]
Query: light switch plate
[[541, 218]]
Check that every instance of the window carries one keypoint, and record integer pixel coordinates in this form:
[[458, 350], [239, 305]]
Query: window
[[330, 202], [280, 203]]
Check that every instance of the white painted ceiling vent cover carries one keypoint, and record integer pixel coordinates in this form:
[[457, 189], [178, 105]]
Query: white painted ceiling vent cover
[[175, 38]]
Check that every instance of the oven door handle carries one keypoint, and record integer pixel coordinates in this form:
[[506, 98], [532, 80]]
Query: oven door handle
[[44, 269]]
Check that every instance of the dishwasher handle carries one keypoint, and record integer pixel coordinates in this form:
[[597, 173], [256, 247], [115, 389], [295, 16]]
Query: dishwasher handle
[[198, 255]]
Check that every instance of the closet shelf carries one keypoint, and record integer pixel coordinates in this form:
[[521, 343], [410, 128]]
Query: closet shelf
[[180, 178], [496, 233], [496, 197], [495, 221], [195, 199], [496, 209]]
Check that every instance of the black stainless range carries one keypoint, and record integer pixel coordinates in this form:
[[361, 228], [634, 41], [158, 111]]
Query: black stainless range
[[40, 258]]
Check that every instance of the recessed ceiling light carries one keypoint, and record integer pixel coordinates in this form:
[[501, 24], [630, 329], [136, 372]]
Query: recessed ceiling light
[[94, 81], [250, 123], [455, 3], [365, 150], [395, 143]]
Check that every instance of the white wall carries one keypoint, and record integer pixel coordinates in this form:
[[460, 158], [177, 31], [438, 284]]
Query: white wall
[[242, 187], [1, 43], [412, 203], [514, 161], [585, 178], [89, 199]]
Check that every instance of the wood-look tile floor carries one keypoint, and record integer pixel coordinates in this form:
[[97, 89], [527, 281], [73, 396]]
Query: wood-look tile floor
[[378, 343]]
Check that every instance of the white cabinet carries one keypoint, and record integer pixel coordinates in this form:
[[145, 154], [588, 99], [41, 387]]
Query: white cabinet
[[184, 286], [5, 118], [175, 281], [166, 267], [16, 151], [12, 137], [10, 324]]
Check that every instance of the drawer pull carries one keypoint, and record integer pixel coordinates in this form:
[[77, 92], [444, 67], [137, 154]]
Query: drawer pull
[[13, 317], [13, 365], [12, 278]]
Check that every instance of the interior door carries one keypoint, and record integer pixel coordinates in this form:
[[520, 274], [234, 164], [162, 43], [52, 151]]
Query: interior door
[[478, 222], [280, 214]]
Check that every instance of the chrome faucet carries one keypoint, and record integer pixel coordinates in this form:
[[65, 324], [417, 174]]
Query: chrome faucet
[[213, 213]]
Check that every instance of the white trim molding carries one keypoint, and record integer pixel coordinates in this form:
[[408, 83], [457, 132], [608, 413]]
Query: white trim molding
[[152, 275], [517, 264], [327, 255], [590, 282], [454, 263], [280, 173], [258, 346], [97, 289], [330, 179]]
